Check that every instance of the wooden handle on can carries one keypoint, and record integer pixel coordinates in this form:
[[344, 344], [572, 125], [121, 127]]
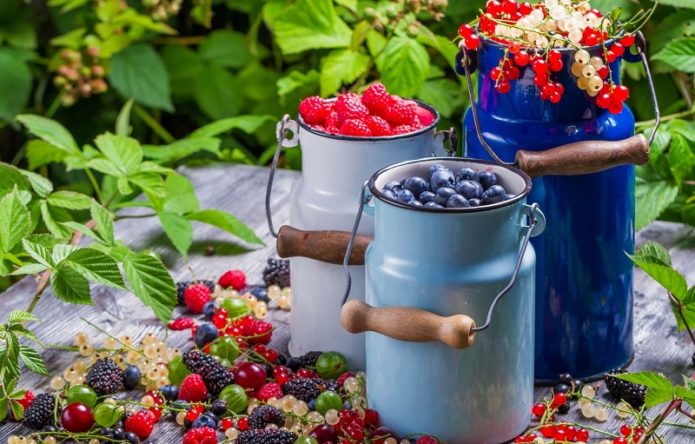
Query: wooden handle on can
[[585, 157], [408, 324], [324, 246]]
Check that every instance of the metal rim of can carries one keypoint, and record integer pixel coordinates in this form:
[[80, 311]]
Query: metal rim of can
[[564, 49], [431, 126], [522, 195]]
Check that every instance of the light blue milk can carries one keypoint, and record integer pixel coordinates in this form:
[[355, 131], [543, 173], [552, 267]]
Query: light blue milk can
[[429, 274]]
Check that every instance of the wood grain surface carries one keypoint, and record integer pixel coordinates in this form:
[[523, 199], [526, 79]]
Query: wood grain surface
[[240, 189]]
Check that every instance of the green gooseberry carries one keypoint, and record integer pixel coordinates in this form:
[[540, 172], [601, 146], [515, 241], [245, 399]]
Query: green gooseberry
[[177, 370], [235, 307], [331, 364], [306, 440], [236, 398], [106, 415], [225, 348], [328, 400], [83, 394]]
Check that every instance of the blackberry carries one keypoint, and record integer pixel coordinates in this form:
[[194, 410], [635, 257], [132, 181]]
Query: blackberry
[[41, 412], [182, 285], [105, 377], [328, 384], [629, 392], [214, 374], [277, 272], [263, 415], [304, 389], [266, 437], [309, 359]]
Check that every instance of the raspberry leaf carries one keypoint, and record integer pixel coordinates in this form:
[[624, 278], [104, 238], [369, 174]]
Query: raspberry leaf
[[653, 261], [104, 223], [659, 388], [178, 230], [32, 359], [227, 222], [138, 72], [50, 131], [70, 286], [342, 66], [150, 281], [15, 221], [70, 200], [96, 266], [404, 65]]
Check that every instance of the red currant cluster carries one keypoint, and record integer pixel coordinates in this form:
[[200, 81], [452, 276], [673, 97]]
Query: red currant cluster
[[507, 11], [629, 434], [612, 97]]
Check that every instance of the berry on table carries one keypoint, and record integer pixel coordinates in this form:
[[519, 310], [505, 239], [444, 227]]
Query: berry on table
[[141, 423], [196, 296], [40, 412], [632, 393], [270, 390], [215, 376], [205, 333], [304, 389], [105, 377], [266, 436], [27, 399], [77, 418], [263, 415], [193, 389], [131, 377], [250, 375], [202, 435], [277, 272], [233, 278]]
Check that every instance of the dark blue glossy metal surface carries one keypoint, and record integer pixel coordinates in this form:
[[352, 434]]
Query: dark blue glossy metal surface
[[583, 277]]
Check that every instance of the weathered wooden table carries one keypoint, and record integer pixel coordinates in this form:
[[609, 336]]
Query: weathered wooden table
[[240, 189]]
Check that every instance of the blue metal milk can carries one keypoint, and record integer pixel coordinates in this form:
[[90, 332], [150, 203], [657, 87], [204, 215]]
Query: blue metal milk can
[[584, 277], [429, 273]]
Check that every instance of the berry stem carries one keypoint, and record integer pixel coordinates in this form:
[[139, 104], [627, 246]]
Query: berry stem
[[126, 346], [673, 405], [681, 313]]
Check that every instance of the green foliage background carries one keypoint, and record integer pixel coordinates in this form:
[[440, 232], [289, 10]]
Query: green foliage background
[[187, 63]]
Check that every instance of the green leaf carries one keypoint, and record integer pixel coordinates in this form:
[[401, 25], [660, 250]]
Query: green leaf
[[681, 158], [32, 359], [39, 184], [182, 148], [70, 286], [659, 388], [123, 120], [11, 178], [227, 222], [40, 153], [666, 276], [178, 230], [4, 408], [15, 84], [180, 195], [82, 228], [21, 316], [151, 283], [249, 124], [52, 222], [40, 253], [96, 266], [309, 24], [104, 223], [151, 183], [29, 269], [679, 53], [404, 66], [653, 197], [138, 72], [60, 252], [17, 409], [104, 166], [443, 94], [218, 93], [15, 221], [184, 66], [688, 310], [678, 3], [225, 48], [654, 253], [50, 131], [70, 200], [124, 152], [341, 66]]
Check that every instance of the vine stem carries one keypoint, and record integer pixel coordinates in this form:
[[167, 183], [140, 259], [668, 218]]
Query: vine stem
[[666, 118], [136, 216], [673, 405], [153, 124], [46, 275], [681, 314]]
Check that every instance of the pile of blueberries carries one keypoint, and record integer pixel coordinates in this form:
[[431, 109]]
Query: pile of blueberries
[[448, 189]]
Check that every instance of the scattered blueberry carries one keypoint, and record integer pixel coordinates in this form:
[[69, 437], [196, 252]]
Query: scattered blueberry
[[487, 179], [415, 185], [170, 392], [466, 174], [219, 407], [205, 420], [433, 205], [474, 202], [209, 310], [131, 377], [118, 434], [443, 194], [132, 438], [312, 405], [260, 293], [405, 196], [493, 194], [427, 196], [442, 178], [457, 201], [206, 332], [347, 405], [434, 168], [469, 189]]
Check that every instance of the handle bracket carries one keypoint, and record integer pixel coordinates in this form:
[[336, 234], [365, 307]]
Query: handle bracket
[[287, 135]]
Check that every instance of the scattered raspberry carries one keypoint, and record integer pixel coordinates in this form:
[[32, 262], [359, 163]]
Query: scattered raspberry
[[424, 115], [233, 278], [376, 98], [141, 423], [27, 399], [354, 127], [200, 435], [269, 390], [193, 389], [400, 112], [314, 111], [196, 296], [349, 106], [182, 323], [379, 127]]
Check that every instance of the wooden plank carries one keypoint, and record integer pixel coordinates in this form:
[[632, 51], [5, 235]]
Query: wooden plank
[[241, 190]]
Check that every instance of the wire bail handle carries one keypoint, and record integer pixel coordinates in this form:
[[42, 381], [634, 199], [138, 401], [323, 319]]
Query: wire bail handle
[[287, 135], [449, 141], [365, 197], [468, 63]]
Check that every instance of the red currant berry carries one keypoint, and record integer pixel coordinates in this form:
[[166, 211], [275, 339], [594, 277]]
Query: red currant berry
[[554, 55], [539, 66], [525, 8], [582, 435], [556, 65], [512, 73], [371, 417], [495, 73], [547, 90], [521, 58], [514, 48], [226, 423], [77, 418], [538, 410], [493, 7], [620, 440], [615, 107], [603, 100], [472, 42], [625, 430], [628, 40], [503, 86], [618, 49], [571, 432], [560, 398], [603, 72], [560, 435], [548, 431], [509, 6], [611, 56], [541, 79], [621, 93], [487, 24], [466, 30], [242, 423], [555, 97]]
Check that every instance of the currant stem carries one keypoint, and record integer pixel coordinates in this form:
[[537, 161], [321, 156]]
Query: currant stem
[[681, 314], [673, 405]]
